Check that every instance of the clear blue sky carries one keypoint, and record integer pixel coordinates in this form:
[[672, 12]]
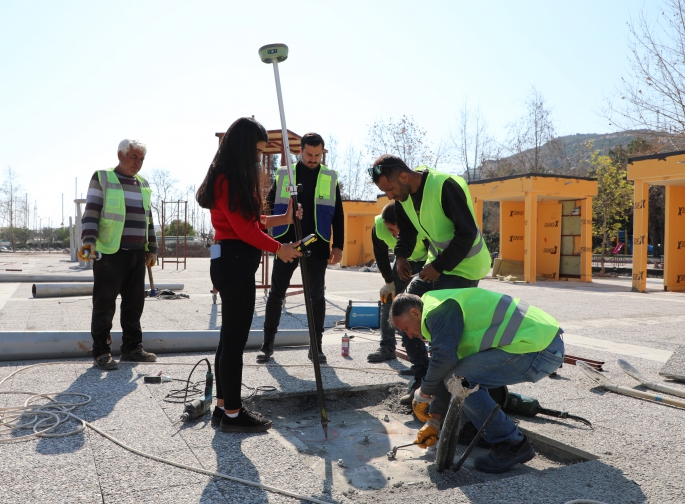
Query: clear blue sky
[[77, 77]]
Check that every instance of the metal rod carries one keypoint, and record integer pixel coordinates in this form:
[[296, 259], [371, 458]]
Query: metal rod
[[313, 344], [476, 438], [604, 382], [660, 387]]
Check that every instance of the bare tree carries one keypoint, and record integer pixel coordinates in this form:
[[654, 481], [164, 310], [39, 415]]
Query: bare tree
[[653, 97], [533, 141], [472, 141], [403, 138], [10, 204], [355, 183], [163, 186]]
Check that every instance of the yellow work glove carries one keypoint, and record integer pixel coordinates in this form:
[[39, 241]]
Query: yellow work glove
[[150, 259], [428, 434], [420, 404], [86, 252], [388, 292]]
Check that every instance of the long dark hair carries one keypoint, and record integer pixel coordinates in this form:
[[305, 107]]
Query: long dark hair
[[237, 159]]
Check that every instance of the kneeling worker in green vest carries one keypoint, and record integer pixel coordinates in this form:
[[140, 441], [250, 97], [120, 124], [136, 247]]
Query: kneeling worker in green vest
[[490, 339], [117, 223], [384, 238]]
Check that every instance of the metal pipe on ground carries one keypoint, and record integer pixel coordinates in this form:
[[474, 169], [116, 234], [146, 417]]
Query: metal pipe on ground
[[26, 278], [29, 345], [84, 289]]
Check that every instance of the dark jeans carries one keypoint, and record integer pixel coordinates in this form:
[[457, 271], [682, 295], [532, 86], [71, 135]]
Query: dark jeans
[[233, 275], [388, 339], [416, 347], [121, 273], [280, 281]]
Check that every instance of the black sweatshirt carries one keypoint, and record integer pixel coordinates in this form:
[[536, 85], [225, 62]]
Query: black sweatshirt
[[380, 252], [456, 209], [307, 177]]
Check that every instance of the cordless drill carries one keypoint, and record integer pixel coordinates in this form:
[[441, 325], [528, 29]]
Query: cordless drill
[[198, 407]]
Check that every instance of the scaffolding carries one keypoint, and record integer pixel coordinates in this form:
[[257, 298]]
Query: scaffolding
[[163, 249]]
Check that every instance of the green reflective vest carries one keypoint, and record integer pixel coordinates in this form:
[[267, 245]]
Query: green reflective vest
[[440, 230], [420, 252], [113, 214], [324, 200], [494, 320]]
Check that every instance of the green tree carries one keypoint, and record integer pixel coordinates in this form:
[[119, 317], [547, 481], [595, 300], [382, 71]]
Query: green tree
[[611, 206], [21, 234], [175, 228]]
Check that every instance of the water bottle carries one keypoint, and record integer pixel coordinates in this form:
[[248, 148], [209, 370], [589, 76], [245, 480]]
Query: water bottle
[[345, 345]]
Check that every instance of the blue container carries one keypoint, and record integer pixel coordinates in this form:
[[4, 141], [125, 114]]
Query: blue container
[[363, 314]]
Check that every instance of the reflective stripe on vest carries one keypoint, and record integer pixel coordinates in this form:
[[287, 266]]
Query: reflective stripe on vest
[[513, 326], [324, 200], [440, 230], [113, 214], [420, 252]]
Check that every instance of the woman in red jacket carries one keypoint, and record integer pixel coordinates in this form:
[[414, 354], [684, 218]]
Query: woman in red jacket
[[231, 192]]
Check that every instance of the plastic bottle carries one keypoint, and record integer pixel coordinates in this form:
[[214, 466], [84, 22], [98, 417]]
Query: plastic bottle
[[345, 345]]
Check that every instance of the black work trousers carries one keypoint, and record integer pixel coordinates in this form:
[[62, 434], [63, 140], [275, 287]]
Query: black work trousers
[[121, 273], [233, 274], [281, 275]]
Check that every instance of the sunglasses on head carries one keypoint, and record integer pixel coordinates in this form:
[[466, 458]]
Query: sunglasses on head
[[375, 170]]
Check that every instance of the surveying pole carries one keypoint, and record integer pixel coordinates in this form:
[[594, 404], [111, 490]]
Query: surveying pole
[[275, 54]]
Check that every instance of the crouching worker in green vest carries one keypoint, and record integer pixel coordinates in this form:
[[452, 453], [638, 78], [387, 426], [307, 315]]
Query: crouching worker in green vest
[[490, 339], [119, 236], [384, 237]]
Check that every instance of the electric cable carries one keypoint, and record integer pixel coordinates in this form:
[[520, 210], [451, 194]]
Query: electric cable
[[11, 420]]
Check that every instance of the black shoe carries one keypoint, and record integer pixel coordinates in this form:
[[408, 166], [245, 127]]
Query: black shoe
[[138, 355], [467, 433], [217, 415], [267, 350], [408, 372], [504, 456], [106, 362], [322, 357], [246, 421], [382, 354], [407, 399]]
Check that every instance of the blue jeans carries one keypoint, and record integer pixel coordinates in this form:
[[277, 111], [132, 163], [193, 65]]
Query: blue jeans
[[494, 368], [416, 348], [387, 329]]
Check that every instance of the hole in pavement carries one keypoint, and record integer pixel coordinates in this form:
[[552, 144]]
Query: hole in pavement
[[364, 426]]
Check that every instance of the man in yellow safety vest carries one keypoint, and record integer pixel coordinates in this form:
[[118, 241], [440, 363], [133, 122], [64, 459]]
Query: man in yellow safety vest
[[117, 225], [490, 339]]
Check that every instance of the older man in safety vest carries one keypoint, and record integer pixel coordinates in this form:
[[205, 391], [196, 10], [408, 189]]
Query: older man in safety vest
[[117, 226], [490, 339]]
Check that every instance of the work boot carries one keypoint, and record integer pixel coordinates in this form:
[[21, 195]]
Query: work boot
[[382, 354], [106, 362], [267, 349], [467, 433], [407, 399], [322, 357], [138, 355], [504, 456]]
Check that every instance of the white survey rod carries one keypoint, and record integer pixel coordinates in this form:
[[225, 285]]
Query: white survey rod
[[284, 131]]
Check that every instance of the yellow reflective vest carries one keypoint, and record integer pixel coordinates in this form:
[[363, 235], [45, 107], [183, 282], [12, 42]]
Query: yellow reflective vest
[[113, 214], [494, 320]]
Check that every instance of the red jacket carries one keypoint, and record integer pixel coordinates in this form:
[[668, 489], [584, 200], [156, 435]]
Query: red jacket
[[233, 226]]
